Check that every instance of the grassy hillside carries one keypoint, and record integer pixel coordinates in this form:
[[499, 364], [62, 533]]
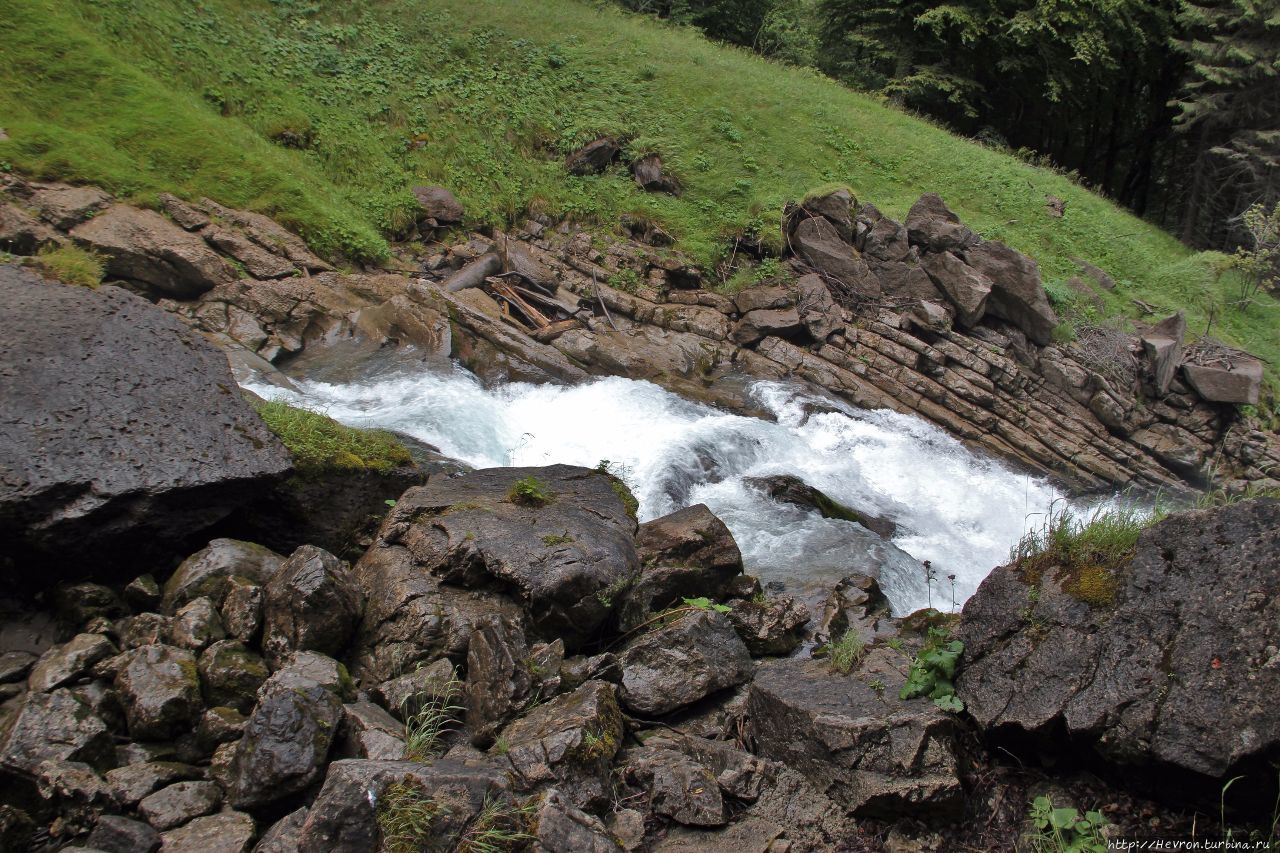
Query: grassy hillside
[[325, 114]]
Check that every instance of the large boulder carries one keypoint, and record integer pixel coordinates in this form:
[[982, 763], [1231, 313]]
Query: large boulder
[[559, 538], [819, 313], [594, 157], [757, 325], [933, 227], [1238, 382], [54, 727], [670, 667], [312, 604], [123, 434], [209, 572], [498, 678], [160, 688], [1169, 661], [820, 244], [854, 739], [438, 204], [143, 246], [1016, 293], [966, 288], [1163, 345], [693, 536]]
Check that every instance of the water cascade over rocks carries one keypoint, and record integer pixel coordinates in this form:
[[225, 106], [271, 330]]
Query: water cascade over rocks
[[956, 509]]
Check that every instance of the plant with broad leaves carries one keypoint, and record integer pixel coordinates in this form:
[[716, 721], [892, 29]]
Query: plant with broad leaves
[[704, 603], [933, 672], [1065, 830]]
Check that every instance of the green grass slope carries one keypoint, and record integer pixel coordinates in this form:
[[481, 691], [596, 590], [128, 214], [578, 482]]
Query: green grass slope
[[325, 114]]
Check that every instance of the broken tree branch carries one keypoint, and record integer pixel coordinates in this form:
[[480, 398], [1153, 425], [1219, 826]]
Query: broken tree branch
[[473, 274]]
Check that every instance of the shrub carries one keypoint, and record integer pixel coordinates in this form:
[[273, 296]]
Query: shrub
[[71, 265], [319, 443], [530, 491]]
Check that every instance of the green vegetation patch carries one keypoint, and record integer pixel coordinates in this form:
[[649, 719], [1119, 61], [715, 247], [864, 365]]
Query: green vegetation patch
[[530, 491], [845, 653], [319, 443], [933, 672], [405, 814], [71, 265]]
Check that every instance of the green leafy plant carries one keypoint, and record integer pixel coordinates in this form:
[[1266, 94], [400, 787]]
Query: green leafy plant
[[428, 717], [704, 603], [530, 491], [933, 672], [1065, 830]]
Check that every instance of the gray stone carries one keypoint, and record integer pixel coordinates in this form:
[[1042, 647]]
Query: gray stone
[[179, 803], [562, 828], [370, 732], [119, 446], [835, 208], [226, 832], [130, 784], [257, 261], [231, 674], [64, 206], [1016, 292], [302, 670], [23, 234], [692, 536], [439, 204], [208, 572], [54, 727], [63, 664], [402, 695], [242, 609], [594, 157], [966, 288], [759, 298], [1240, 383], [142, 593], [679, 787], [819, 243], [285, 835], [769, 627], [934, 228], [143, 630], [218, 726], [15, 665], [498, 678], [678, 664], [196, 625], [312, 604], [115, 834], [650, 177], [160, 688], [756, 325]]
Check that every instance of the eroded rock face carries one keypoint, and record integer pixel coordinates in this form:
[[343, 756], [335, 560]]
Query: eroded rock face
[[876, 755], [1169, 662], [1016, 293], [498, 678], [676, 665], [122, 430], [932, 226], [562, 557], [818, 241]]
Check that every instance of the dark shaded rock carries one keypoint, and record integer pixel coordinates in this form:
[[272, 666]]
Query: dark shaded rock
[[114, 834], [218, 726], [130, 784], [661, 587], [143, 246], [63, 664], [179, 803], [303, 670], [1163, 346], [15, 665], [966, 288], [562, 828], [934, 228], [757, 325], [676, 665], [856, 603], [569, 742], [867, 750], [650, 177], [283, 836], [22, 234], [78, 603], [230, 675], [54, 727], [476, 530], [143, 593], [242, 609], [344, 816], [498, 678], [819, 313], [906, 280], [769, 627], [886, 241], [403, 695], [285, 745], [678, 787], [1176, 448], [145, 629], [104, 463], [439, 204], [160, 688], [312, 604], [1152, 665], [819, 243], [226, 832], [594, 157], [692, 536], [370, 732], [758, 298], [1016, 292], [196, 625], [208, 572], [835, 207], [789, 489], [1240, 383], [16, 829]]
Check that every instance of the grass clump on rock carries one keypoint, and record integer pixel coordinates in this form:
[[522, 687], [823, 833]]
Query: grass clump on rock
[[319, 443], [405, 814], [71, 265], [845, 652], [530, 491]]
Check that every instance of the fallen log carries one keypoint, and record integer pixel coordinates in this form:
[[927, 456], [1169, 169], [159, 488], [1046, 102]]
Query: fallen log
[[473, 274], [549, 333]]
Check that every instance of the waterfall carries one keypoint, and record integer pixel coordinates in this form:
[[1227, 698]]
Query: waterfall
[[955, 508]]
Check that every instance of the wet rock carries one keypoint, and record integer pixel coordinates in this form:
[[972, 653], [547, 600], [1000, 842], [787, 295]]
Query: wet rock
[[1016, 293], [856, 603], [966, 288], [208, 572], [344, 816], [792, 490], [196, 625], [693, 536], [562, 558], [143, 593], [876, 755], [1149, 665], [66, 663], [562, 828], [568, 742], [143, 246], [886, 241], [650, 177], [179, 803], [115, 834], [160, 689], [439, 204], [218, 726], [71, 784], [15, 665], [226, 832], [498, 678], [819, 243], [130, 784], [1238, 383], [678, 787], [676, 665], [370, 732], [757, 325], [401, 696], [303, 670], [230, 675], [143, 630], [769, 627], [594, 157], [284, 836], [242, 609], [934, 228], [285, 744], [54, 727], [312, 604], [79, 603]]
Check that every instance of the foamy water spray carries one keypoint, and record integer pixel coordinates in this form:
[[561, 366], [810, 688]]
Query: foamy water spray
[[960, 511]]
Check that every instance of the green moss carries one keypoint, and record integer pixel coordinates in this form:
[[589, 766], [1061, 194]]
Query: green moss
[[71, 265], [624, 494], [553, 539], [318, 443], [1095, 585]]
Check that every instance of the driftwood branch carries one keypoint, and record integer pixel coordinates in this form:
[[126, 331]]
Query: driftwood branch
[[473, 274]]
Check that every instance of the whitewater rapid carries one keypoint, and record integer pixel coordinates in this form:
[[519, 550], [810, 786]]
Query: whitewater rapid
[[958, 510]]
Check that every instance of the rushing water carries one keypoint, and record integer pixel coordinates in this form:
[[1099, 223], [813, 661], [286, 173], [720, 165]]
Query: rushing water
[[959, 510]]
